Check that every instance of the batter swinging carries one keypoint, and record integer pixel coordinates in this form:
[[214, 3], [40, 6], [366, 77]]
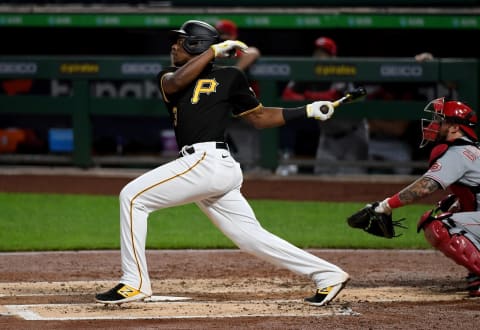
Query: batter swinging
[[200, 97]]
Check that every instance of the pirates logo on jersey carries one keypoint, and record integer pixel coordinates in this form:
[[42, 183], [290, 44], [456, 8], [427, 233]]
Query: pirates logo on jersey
[[203, 86]]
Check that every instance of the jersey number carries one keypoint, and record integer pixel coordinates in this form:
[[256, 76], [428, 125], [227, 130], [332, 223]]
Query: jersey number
[[174, 114], [205, 86]]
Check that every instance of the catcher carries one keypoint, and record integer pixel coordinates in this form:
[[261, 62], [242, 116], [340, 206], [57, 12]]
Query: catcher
[[453, 226]]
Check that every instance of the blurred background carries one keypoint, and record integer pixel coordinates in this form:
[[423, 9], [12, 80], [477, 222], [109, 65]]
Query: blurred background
[[78, 88]]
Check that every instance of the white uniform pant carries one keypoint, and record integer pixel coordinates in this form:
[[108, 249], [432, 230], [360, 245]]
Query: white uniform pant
[[469, 222], [212, 179]]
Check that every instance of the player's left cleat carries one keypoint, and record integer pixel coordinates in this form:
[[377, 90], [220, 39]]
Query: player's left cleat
[[323, 296], [120, 294]]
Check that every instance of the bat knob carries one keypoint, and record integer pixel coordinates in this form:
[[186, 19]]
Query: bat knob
[[324, 109], [232, 53]]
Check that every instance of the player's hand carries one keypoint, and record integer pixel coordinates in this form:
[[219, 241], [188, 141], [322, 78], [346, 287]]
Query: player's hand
[[383, 207], [228, 48], [320, 110]]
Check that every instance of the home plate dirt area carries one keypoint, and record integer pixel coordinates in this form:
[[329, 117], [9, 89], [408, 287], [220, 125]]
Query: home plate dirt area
[[229, 289]]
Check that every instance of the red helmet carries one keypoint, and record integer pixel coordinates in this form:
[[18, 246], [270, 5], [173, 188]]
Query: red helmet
[[327, 44], [449, 111], [226, 26]]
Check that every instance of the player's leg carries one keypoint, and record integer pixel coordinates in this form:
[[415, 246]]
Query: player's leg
[[234, 217], [178, 182], [456, 236]]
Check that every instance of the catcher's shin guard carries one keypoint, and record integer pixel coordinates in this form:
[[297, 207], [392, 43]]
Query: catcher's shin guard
[[457, 246]]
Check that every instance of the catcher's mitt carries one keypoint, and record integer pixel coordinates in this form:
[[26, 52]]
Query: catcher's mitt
[[378, 224]]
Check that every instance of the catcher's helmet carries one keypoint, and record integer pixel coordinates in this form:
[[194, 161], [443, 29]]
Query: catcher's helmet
[[199, 36], [327, 44], [449, 111]]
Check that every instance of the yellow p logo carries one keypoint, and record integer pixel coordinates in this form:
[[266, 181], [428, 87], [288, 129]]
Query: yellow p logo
[[205, 86]]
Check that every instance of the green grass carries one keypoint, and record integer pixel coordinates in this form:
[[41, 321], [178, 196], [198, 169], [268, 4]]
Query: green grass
[[30, 222]]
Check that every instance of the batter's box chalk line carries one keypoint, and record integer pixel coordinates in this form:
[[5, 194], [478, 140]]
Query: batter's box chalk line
[[346, 310], [174, 310], [165, 298]]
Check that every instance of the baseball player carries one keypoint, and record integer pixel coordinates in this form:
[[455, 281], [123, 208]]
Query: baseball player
[[454, 226], [200, 97]]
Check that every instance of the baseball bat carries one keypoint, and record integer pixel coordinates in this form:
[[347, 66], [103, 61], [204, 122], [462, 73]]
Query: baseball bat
[[348, 97]]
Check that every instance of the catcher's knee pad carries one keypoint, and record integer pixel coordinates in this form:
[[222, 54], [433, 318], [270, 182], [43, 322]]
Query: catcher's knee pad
[[457, 246]]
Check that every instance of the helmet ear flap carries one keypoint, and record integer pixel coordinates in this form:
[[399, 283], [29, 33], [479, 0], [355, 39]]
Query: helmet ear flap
[[198, 44]]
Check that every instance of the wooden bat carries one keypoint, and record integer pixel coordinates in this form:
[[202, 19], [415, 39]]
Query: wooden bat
[[349, 97]]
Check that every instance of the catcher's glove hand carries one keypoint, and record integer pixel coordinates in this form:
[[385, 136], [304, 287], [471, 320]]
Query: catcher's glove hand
[[378, 224]]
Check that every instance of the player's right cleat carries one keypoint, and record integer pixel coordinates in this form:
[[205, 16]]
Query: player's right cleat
[[120, 294], [323, 296]]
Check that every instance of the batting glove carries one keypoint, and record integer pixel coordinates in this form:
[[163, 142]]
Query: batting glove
[[320, 110], [228, 47], [384, 207]]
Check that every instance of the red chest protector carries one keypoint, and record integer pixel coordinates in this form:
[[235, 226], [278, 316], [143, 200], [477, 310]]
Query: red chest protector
[[466, 194]]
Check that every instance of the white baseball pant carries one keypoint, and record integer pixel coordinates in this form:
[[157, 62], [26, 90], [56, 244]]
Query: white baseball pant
[[212, 179]]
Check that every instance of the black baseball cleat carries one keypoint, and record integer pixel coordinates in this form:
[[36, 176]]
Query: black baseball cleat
[[323, 296], [120, 294], [474, 291], [473, 279], [473, 285]]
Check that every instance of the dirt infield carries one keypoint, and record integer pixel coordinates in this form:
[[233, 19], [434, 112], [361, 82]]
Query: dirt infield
[[230, 289]]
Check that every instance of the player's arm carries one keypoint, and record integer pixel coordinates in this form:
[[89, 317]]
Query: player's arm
[[181, 78], [419, 189], [268, 117], [249, 56], [262, 117], [173, 82]]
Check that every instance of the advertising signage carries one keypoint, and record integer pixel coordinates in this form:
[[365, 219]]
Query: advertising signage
[[246, 20]]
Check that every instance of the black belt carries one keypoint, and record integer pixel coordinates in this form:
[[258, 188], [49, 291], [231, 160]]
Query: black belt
[[191, 150]]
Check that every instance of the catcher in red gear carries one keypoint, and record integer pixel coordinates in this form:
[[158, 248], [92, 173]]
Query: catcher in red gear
[[452, 227]]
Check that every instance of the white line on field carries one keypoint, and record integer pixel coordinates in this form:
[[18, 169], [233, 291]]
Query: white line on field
[[23, 311], [26, 312]]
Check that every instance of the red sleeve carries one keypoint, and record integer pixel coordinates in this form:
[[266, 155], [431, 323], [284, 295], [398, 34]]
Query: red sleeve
[[328, 95], [290, 95]]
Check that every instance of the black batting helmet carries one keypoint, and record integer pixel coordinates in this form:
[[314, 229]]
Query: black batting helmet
[[198, 36]]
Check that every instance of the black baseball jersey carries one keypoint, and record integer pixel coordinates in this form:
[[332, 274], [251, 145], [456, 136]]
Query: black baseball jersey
[[201, 111]]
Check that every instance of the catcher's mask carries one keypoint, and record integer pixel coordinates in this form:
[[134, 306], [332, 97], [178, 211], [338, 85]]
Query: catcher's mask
[[449, 111], [199, 36]]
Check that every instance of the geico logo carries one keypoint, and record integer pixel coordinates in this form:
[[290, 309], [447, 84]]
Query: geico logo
[[145, 89], [270, 70], [401, 71], [141, 68], [18, 67]]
